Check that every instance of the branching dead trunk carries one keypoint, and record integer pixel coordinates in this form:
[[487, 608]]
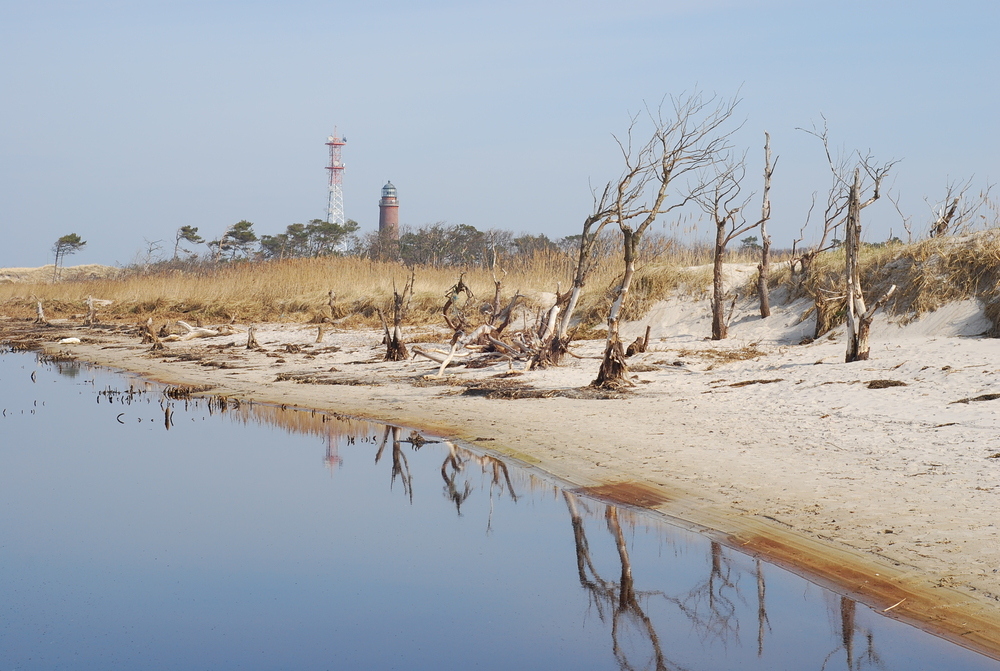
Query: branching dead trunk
[[456, 321], [613, 373], [552, 351], [640, 344], [149, 336], [252, 338], [859, 317], [723, 203], [764, 268], [40, 313], [395, 349], [686, 143]]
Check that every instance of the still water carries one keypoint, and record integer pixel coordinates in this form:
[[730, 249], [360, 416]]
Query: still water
[[143, 532]]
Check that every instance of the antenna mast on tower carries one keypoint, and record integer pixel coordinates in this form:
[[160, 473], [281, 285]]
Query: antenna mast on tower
[[335, 205]]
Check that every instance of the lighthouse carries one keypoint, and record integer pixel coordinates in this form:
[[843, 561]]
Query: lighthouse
[[388, 213]]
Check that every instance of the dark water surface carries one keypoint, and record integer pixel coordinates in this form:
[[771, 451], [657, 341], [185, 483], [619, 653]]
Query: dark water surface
[[256, 538]]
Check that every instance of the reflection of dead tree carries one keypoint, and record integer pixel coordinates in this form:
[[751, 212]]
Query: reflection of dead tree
[[720, 619], [455, 462], [762, 620], [400, 466], [619, 599], [848, 628], [452, 466]]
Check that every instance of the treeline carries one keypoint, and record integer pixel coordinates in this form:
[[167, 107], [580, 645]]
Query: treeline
[[438, 244]]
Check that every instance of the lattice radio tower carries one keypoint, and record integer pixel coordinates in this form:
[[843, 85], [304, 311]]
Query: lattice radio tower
[[335, 205]]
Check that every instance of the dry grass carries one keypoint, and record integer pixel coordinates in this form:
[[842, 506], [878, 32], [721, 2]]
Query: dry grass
[[928, 274], [292, 290]]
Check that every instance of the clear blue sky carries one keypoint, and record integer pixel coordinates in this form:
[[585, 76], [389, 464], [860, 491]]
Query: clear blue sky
[[121, 120]]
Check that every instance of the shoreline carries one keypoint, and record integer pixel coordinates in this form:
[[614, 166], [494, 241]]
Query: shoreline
[[776, 450]]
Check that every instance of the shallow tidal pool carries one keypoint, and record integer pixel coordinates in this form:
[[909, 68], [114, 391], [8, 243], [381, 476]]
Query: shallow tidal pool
[[144, 531]]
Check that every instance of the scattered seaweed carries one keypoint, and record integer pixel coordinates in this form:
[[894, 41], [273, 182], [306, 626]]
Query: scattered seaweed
[[884, 384], [973, 399], [747, 383]]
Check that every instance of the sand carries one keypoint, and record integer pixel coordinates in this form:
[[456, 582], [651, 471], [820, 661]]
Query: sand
[[774, 447], [43, 274]]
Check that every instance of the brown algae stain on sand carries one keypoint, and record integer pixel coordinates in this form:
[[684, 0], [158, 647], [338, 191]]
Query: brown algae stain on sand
[[634, 494]]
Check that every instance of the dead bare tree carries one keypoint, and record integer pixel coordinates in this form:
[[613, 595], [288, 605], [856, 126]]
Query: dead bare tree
[[859, 317], [907, 220], [395, 349], [956, 211], [456, 320], [833, 215], [844, 205], [252, 337], [684, 143], [149, 336], [92, 305], [40, 312], [723, 202], [764, 268]]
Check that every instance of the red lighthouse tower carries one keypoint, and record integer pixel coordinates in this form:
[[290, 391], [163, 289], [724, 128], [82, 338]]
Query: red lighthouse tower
[[388, 213]]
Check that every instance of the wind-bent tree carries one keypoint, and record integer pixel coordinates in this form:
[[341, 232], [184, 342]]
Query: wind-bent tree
[[187, 234], [236, 241], [683, 144], [63, 247], [240, 238]]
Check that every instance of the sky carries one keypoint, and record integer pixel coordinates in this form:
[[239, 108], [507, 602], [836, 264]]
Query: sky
[[123, 120]]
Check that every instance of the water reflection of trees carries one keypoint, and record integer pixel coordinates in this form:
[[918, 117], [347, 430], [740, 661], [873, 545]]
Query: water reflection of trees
[[849, 631], [617, 601], [454, 470], [712, 606]]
